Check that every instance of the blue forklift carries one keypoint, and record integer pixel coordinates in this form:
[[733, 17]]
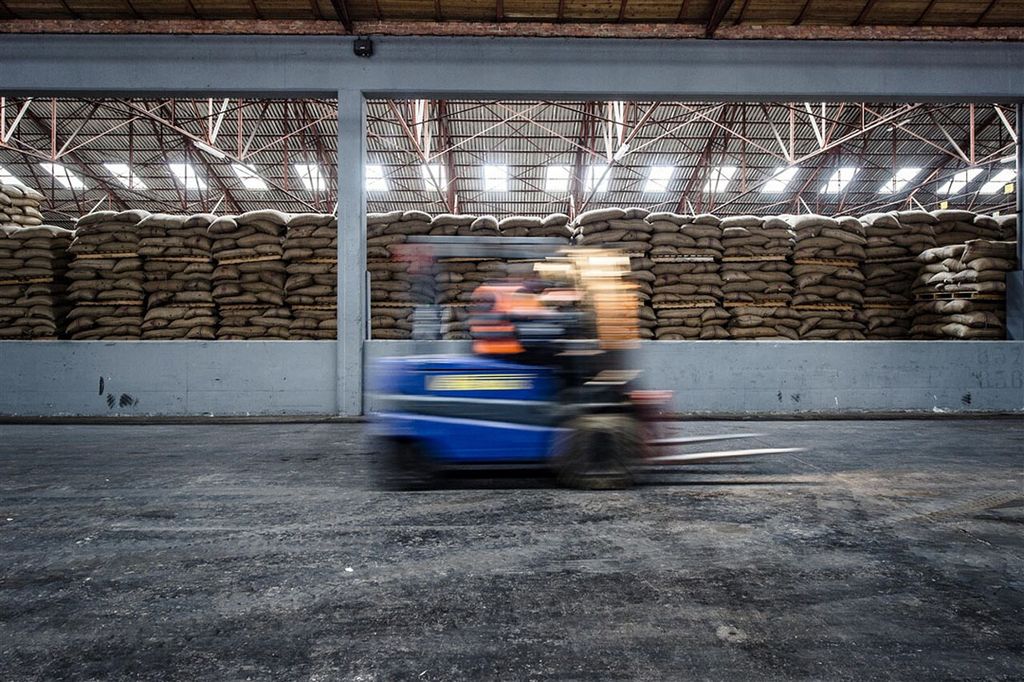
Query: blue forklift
[[548, 382]]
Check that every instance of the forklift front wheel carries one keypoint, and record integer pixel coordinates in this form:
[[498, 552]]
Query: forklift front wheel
[[598, 452]]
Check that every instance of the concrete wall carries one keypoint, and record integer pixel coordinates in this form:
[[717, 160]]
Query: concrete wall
[[167, 378], [737, 377], [714, 377]]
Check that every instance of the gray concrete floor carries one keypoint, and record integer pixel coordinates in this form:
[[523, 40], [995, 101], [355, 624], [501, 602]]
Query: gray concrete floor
[[888, 550]]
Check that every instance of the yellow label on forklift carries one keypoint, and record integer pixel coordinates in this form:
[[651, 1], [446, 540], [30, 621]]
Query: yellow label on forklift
[[480, 382]]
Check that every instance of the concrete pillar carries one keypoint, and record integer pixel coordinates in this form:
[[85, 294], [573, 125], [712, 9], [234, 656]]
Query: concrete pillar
[[1015, 279], [351, 251]]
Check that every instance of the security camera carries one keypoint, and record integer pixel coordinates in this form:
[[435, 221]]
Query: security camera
[[363, 47]]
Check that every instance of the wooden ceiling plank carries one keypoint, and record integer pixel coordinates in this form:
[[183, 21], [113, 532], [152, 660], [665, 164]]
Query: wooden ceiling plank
[[803, 13], [718, 12], [985, 14], [255, 9], [927, 9], [341, 10], [681, 16], [868, 6]]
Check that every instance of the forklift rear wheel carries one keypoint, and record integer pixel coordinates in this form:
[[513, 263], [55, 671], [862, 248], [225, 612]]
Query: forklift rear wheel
[[598, 452], [404, 465]]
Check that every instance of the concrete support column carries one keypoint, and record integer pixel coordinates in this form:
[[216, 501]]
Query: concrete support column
[[1015, 279], [351, 251]]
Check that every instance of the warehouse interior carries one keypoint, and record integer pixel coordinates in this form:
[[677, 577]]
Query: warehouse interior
[[214, 222]]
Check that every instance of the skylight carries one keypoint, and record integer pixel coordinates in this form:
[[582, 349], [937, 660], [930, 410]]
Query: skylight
[[8, 179], [839, 180], [959, 181], [998, 181], [312, 179], [375, 180], [720, 179], [63, 175], [781, 177], [187, 176], [250, 179], [898, 181], [122, 172], [598, 178], [657, 179], [435, 176], [557, 179], [495, 178]]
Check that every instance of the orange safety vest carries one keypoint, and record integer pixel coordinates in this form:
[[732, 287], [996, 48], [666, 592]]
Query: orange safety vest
[[492, 329]]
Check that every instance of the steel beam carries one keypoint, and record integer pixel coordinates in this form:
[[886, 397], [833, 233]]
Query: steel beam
[[506, 29], [433, 68]]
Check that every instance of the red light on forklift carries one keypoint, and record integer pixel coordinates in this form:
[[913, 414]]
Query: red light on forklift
[[650, 397]]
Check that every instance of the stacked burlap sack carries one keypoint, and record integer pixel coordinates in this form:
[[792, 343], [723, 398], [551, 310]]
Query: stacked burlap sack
[[311, 289], [1007, 227], [249, 277], [19, 206], [178, 266], [687, 286], [889, 269], [954, 226], [626, 230], [555, 226], [392, 297], [961, 291], [33, 261], [757, 280], [455, 279], [106, 278], [828, 283]]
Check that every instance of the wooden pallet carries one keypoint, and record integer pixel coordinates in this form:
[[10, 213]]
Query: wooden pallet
[[754, 259], [827, 261], [755, 304], [176, 259], [835, 307], [250, 259], [960, 295], [684, 258], [105, 255], [901, 259], [682, 306], [26, 280]]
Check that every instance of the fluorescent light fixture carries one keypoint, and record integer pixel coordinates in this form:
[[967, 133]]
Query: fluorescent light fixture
[[781, 177], [122, 172], [998, 181], [556, 179], [897, 182], [8, 179], [495, 178], [435, 176], [63, 175], [839, 180], [212, 151], [250, 179], [720, 179], [187, 176], [311, 177], [657, 179], [598, 178], [621, 151], [959, 181], [1008, 159], [375, 180]]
